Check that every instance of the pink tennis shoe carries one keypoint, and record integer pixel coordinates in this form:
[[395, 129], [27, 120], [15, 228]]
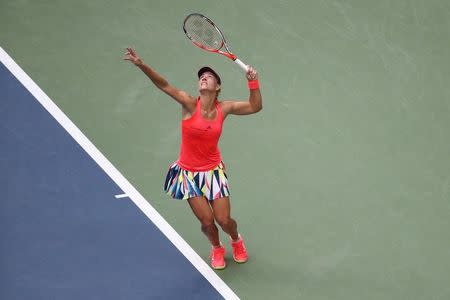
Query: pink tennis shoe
[[239, 251], [218, 258]]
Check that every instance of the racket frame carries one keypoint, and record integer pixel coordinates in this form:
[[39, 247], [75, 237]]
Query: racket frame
[[226, 53]]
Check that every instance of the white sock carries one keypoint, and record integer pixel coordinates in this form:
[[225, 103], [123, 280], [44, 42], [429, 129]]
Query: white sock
[[239, 237]]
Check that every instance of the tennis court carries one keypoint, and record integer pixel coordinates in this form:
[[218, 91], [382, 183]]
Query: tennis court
[[340, 185]]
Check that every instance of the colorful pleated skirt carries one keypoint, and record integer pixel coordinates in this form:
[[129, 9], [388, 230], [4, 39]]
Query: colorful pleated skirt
[[182, 184]]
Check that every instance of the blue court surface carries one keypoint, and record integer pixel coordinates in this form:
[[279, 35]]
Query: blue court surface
[[68, 229]]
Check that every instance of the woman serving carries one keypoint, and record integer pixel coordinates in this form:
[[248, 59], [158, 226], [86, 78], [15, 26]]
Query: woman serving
[[198, 175]]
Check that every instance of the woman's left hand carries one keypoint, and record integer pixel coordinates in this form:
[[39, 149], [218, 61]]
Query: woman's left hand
[[251, 74]]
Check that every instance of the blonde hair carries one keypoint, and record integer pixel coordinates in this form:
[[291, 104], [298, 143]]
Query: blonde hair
[[218, 92]]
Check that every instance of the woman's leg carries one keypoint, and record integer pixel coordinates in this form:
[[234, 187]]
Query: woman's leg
[[204, 214], [221, 210]]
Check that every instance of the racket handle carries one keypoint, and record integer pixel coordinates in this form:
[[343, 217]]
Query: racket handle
[[241, 64]]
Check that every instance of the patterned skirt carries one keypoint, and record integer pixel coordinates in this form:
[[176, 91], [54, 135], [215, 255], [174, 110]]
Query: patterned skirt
[[182, 184]]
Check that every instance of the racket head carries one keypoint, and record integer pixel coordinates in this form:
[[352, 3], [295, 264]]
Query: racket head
[[204, 33]]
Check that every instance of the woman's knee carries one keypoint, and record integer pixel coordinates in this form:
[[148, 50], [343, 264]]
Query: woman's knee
[[209, 227], [207, 221], [224, 221]]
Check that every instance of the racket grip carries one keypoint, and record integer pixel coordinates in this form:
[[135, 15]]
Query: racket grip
[[241, 64]]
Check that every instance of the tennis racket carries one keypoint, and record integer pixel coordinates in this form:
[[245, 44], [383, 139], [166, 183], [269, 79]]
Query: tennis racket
[[206, 35]]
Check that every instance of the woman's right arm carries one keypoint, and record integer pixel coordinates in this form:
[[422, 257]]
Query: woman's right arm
[[180, 96]]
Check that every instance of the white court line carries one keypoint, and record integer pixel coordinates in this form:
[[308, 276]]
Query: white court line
[[118, 178], [121, 196]]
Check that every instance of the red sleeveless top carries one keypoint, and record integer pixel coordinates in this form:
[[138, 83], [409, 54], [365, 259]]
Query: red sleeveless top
[[199, 141]]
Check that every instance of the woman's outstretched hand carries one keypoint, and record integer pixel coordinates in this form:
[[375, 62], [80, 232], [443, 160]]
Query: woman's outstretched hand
[[133, 57]]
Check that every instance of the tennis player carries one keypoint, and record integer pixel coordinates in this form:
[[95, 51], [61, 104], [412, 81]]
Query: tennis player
[[198, 175]]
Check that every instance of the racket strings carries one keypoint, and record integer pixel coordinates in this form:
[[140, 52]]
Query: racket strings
[[200, 31]]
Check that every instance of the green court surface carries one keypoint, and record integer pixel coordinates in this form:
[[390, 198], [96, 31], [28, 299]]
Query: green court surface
[[341, 185]]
